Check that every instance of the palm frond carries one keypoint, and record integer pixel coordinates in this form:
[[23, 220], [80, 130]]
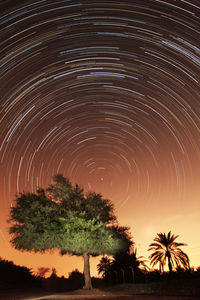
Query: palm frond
[[165, 248]]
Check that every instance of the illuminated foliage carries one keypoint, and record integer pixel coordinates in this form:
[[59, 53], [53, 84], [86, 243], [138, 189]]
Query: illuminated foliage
[[34, 224], [65, 218]]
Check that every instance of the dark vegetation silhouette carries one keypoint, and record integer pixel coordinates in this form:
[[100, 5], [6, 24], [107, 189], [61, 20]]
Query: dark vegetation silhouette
[[11, 274], [124, 267], [125, 271], [64, 217], [127, 268], [42, 271], [14, 278], [104, 266], [181, 282], [76, 279], [167, 251]]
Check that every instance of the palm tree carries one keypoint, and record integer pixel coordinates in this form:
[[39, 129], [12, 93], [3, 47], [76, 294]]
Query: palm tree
[[124, 266], [165, 249], [104, 266], [139, 260]]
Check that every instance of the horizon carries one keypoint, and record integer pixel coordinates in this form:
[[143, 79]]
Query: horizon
[[73, 261]]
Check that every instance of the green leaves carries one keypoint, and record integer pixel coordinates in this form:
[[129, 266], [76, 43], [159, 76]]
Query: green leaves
[[33, 220], [63, 217], [81, 234]]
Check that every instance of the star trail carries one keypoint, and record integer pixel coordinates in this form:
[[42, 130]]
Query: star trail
[[107, 93]]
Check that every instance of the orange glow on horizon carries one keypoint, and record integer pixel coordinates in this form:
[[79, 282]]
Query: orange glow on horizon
[[144, 221]]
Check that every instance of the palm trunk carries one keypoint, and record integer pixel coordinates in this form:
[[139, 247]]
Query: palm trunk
[[87, 277], [169, 263], [168, 255]]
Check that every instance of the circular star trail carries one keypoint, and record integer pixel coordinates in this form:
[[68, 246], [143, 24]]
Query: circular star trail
[[105, 92]]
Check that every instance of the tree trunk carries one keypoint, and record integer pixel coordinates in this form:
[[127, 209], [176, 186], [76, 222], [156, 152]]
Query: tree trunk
[[169, 261], [87, 277]]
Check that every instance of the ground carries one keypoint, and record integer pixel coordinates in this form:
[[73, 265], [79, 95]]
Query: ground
[[118, 292]]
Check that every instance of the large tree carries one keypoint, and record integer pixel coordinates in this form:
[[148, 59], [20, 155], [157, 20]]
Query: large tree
[[167, 250], [66, 218]]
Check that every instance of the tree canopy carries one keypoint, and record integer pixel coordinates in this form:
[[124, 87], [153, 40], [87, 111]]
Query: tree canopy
[[66, 218]]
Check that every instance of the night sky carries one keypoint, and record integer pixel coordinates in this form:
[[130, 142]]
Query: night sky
[[108, 94]]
